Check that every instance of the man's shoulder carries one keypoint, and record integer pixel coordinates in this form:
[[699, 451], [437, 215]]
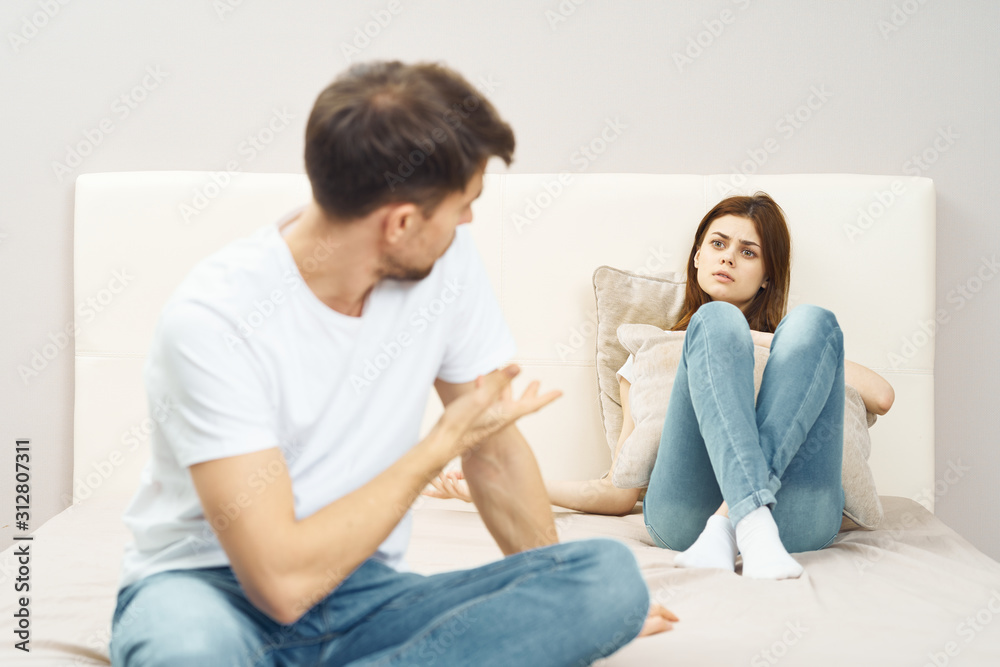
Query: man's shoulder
[[220, 290], [234, 274]]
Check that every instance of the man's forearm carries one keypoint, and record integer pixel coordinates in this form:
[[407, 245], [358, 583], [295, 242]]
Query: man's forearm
[[507, 488], [331, 543]]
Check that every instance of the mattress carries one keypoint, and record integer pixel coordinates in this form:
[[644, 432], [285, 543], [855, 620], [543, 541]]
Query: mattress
[[911, 593]]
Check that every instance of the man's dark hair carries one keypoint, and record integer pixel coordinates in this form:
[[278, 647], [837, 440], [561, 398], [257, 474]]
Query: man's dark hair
[[386, 132]]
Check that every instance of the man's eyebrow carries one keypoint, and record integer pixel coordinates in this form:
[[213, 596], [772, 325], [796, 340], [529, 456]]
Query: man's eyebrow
[[743, 241]]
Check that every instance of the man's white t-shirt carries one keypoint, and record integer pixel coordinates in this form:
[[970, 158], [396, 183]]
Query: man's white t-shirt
[[245, 357]]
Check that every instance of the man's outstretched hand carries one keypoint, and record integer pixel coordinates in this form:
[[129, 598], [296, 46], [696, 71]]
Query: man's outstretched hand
[[490, 407]]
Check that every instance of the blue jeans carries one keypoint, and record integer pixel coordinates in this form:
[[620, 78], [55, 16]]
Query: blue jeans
[[785, 453], [563, 604]]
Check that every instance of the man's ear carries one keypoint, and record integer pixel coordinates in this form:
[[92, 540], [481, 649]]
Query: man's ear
[[400, 219]]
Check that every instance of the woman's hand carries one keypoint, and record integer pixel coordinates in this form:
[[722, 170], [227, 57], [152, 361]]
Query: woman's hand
[[449, 485]]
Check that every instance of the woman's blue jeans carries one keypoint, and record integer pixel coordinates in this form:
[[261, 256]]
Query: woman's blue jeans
[[564, 604], [785, 453]]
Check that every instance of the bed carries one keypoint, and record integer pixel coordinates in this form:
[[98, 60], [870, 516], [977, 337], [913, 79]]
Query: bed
[[912, 592]]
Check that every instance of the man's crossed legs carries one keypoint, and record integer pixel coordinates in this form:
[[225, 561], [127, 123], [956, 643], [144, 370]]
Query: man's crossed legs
[[563, 604]]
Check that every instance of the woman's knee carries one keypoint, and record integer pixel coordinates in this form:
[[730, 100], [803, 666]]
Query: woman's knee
[[721, 311], [723, 321], [814, 316], [809, 324]]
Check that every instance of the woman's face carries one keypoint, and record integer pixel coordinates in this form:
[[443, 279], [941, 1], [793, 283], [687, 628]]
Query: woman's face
[[731, 246]]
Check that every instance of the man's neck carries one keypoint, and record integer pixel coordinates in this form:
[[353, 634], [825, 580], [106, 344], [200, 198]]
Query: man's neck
[[338, 263]]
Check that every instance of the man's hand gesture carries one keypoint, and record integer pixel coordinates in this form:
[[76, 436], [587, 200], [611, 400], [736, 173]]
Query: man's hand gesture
[[489, 408]]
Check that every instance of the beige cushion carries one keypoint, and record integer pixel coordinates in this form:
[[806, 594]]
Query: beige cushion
[[657, 355], [623, 297]]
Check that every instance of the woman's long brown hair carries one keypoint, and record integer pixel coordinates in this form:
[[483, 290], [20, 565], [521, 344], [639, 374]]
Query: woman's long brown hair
[[769, 304]]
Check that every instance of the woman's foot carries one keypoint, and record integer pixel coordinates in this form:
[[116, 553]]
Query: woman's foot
[[764, 556], [715, 547]]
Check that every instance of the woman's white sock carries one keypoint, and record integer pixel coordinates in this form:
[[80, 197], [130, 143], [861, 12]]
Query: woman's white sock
[[714, 548], [764, 556]]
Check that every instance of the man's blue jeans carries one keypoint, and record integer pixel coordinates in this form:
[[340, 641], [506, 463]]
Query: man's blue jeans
[[785, 453], [564, 604]]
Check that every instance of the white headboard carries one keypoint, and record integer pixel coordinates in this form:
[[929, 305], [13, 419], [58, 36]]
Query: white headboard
[[862, 246]]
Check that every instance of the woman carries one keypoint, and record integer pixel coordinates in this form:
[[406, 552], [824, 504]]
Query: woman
[[730, 476]]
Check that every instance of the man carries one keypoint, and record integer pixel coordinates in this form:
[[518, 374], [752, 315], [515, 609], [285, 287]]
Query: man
[[271, 522]]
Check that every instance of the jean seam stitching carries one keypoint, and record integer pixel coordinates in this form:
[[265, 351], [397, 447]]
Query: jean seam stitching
[[729, 431], [827, 347], [657, 535]]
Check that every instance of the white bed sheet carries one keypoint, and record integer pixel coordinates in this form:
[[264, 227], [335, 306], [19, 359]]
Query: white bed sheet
[[910, 591]]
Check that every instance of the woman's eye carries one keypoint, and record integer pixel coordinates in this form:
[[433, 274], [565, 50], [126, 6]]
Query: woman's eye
[[714, 241], [752, 253]]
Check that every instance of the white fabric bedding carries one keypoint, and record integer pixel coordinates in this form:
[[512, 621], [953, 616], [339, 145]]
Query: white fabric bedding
[[911, 593]]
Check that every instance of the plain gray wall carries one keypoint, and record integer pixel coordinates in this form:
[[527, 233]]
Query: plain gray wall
[[888, 78]]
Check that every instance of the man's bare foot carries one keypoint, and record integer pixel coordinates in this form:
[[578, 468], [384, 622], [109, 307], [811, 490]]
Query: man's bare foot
[[658, 620]]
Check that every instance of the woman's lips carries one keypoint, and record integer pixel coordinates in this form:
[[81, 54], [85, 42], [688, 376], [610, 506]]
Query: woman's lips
[[721, 277]]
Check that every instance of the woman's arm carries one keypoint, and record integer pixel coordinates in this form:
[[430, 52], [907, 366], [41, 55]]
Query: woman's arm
[[600, 496], [875, 390]]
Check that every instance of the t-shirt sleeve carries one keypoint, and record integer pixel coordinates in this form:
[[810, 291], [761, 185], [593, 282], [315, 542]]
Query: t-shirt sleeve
[[626, 370], [480, 340], [216, 393]]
